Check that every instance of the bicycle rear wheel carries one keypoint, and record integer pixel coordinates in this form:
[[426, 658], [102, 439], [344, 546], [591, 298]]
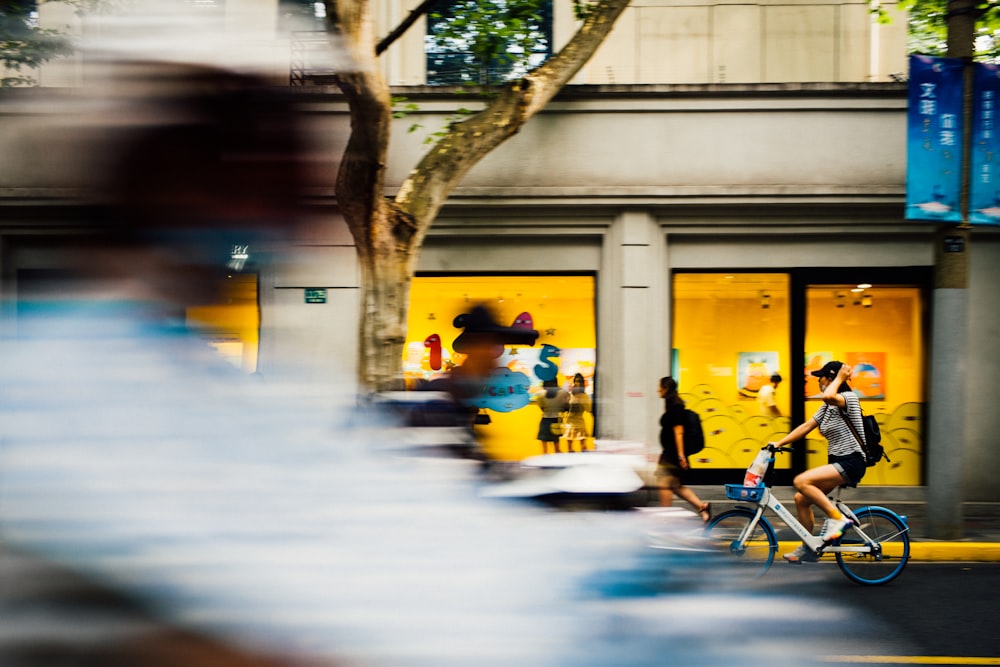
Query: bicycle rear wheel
[[756, 553], [890, 551]]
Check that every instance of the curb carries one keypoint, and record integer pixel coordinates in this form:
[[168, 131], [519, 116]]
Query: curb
[[980, 552], [973, 552]]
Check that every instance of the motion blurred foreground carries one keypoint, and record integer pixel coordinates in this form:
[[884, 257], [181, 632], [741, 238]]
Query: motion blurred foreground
[[160, 507]]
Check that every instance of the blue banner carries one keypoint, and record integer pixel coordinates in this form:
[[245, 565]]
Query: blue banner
[[984, 173], [934, 140]]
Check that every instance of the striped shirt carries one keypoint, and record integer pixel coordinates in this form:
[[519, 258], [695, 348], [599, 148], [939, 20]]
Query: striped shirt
[[840, 440]]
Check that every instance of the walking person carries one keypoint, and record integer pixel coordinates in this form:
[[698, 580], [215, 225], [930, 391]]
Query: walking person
[[673, 464], [579, 403], [765, 397], [846, 460], [553, 401]]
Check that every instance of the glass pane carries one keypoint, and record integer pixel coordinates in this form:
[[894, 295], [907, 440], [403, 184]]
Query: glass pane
[[232, 325], [455, 53], [877, 330], [295, 15], [731, 333], [560, 308]]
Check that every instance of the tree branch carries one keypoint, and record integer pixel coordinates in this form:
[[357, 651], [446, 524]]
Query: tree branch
[[387, 41], [427, 187]]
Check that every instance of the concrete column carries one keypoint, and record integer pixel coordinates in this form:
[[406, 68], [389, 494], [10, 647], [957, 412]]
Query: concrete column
[[946, 427], [634, 346]]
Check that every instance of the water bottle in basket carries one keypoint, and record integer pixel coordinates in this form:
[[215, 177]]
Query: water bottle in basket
[[755, 473]]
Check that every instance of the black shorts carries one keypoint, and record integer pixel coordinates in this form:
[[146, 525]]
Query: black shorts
[[851, 467]]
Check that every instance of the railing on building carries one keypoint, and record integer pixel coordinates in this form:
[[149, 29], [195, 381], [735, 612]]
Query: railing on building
[[311, 61]]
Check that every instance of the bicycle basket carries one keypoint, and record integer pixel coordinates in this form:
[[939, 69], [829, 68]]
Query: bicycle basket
[[748, 493]]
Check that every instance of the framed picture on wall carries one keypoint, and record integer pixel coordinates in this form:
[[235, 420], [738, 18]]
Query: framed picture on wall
[[868, 374], [753, 371]]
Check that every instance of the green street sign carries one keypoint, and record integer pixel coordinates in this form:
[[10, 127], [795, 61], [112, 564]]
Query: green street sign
[[315, 295]]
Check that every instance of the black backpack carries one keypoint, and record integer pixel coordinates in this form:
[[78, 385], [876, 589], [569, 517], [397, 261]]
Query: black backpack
[[874, 451], [694, 435], [872, 443]]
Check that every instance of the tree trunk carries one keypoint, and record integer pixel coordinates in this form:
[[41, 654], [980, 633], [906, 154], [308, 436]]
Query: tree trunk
[[387, 268]]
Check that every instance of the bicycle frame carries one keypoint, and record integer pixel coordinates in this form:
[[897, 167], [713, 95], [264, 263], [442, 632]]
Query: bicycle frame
[[769, 501]]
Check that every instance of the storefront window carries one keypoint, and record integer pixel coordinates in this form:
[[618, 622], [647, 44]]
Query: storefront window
[[732, 331], [232, 325], [730, 335], [878, 331], [560, 308]]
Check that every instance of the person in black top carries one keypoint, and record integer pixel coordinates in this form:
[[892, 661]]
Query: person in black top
[[673, 465]]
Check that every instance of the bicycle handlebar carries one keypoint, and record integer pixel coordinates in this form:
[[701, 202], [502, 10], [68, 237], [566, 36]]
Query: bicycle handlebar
[[774, 448]]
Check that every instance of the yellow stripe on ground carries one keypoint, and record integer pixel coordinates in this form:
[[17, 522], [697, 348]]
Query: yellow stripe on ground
[[910, 660], [981, 552]]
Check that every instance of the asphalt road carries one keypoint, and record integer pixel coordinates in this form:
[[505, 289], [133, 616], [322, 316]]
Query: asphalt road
[[934, 613], [943, 609]]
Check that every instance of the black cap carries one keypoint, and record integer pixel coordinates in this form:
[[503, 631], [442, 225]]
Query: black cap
[[481, 321], [829, 370]]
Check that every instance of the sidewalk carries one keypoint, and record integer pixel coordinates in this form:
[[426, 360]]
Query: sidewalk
[[980, 542]]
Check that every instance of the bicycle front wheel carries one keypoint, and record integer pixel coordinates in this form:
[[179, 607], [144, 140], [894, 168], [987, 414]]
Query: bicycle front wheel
[[728, 532], [889, 539]]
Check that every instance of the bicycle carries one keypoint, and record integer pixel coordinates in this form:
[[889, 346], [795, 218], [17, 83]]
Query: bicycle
[[873, 551]]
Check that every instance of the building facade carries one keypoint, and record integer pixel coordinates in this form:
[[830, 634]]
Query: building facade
[[719, 196]]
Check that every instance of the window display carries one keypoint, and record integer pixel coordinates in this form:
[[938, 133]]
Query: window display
[[731, 332], [878, 331], [559, 308], [734, 335], [232, 325]]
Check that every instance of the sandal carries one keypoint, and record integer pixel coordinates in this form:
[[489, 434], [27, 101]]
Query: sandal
[[706, 512]]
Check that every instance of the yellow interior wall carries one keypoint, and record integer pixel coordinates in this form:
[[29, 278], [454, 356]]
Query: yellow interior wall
[[562, 310], [717, 316], [232, 325], [891, 325]]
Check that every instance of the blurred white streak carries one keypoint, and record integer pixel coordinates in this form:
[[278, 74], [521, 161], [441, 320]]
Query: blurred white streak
[[242, 37]]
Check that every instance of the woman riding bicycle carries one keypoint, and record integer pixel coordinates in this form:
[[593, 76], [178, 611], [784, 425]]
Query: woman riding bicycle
[[846, 461]]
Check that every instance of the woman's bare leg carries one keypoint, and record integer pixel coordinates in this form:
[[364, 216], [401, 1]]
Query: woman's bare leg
[[692, 498], [811, 487]]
